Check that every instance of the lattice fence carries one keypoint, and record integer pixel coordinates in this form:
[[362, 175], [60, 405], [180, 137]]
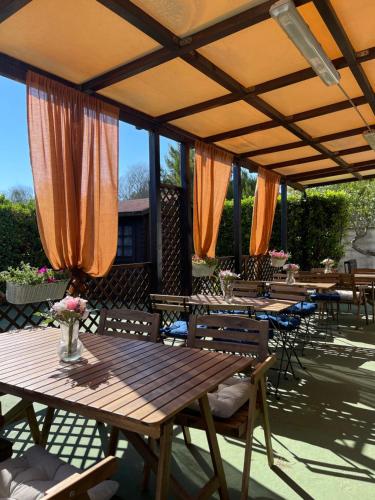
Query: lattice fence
[[171, 239], [253, 268], [126, 285]]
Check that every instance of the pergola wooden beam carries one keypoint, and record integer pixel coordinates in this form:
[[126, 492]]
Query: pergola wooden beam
[[309, 159], [331, 171], [304, 115], [298, 144], [334, 25], [274, 84], [10, 7], [331, 183], [173, 46]]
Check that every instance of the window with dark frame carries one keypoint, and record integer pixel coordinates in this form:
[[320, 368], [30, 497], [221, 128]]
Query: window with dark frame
[[125, 241]]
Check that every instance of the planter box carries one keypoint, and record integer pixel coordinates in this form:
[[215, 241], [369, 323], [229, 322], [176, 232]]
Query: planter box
[[202, 270], [277, 262], [29, 294]]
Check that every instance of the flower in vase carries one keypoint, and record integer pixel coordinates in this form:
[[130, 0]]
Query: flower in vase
[[294, 268]]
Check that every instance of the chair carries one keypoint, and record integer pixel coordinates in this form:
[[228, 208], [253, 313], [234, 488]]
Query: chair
[[350, 266], [39, 474], [243, 288], [175, 305], [129, 324], [244, 336], [352, 291], [288, 323]]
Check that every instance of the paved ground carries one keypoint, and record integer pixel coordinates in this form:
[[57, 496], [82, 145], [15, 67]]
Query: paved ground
[[323, 431]]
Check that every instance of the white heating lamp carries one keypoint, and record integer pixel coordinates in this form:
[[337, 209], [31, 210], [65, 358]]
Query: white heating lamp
[[284, 12], [369, 137]]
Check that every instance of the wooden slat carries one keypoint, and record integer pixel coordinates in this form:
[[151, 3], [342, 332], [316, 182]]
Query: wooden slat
[[119, 381]]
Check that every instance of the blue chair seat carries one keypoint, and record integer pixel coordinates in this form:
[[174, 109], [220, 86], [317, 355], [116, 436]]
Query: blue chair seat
[[326, 296], [303, 308], [177, 330], [280, 321]]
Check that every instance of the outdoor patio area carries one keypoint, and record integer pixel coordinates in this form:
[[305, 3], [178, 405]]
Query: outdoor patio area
[[187, 261], [323, 432]]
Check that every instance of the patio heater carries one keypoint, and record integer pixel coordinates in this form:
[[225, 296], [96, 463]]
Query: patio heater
[[284, 12]]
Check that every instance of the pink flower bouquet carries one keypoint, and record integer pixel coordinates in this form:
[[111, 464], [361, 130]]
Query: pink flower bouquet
[[278, 257]]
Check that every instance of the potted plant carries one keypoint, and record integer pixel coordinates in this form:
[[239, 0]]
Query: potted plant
[[26, 284], [291, 271], [203, 266], [278, 257], [328, 265]]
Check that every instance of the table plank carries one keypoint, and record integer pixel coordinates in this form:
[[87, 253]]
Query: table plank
[[312, 284]]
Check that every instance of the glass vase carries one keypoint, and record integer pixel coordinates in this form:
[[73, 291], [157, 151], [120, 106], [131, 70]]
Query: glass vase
[[227, 289], [70, 347], [290, 279], [327, 268]]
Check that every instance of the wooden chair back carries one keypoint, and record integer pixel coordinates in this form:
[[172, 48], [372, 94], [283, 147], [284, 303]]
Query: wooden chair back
[[364, 270], [288, 292], [229, 333], [350, 265], [243, 288], [308, 276], [279, 277], [129, 324], [77, 485], [169, 303]]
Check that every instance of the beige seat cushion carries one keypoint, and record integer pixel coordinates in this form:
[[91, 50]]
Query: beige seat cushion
[[30, 476], [229, 397]]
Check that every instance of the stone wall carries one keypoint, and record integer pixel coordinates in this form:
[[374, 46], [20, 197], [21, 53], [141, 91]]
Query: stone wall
[[368, 243]]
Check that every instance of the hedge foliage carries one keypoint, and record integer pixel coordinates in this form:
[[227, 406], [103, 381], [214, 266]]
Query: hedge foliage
[[19, 237], [317, 223], [316, 226]]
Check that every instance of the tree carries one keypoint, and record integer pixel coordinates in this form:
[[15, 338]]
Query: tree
[[170, 171], [20, 194], [248, 184], [361, 196], [135, 183]]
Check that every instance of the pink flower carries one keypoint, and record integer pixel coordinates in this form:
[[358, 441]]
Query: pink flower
[[42, 270], [71, 303]]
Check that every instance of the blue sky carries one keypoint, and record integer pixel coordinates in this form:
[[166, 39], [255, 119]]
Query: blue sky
[[14, 150]]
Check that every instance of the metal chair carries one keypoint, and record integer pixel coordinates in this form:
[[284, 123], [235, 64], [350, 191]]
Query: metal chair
[[172, 305]]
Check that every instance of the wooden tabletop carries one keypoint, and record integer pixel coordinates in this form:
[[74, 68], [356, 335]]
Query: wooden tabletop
[[131, 384], [313, 285], [256, 303]]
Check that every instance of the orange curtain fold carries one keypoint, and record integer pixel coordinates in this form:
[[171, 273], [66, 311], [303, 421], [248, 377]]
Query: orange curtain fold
[[266, 193], [73, 140], [211, 178]]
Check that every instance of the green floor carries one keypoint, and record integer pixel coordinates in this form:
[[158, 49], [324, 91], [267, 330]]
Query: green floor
[[323, 432]]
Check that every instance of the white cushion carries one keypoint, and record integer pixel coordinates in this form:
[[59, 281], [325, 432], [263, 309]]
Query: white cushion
[[228, 398], [30, 476], [345, 295]]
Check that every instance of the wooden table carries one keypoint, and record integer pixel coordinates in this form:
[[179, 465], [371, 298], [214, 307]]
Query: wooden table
[[256, 304], [312, 285], [133, 385]]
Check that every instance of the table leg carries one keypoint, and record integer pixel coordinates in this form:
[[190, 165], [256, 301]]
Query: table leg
[[48, 419], [214, 447], [162, 476], [33, 423]]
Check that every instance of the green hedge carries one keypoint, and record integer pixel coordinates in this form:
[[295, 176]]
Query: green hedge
[[317, 223], [19, 237]]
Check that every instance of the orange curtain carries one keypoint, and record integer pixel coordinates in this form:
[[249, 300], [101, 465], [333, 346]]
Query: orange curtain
[[211, 178], [265, 201], [73, 141]]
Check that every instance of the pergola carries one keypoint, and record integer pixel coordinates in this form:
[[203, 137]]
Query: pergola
[[220, 72]]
